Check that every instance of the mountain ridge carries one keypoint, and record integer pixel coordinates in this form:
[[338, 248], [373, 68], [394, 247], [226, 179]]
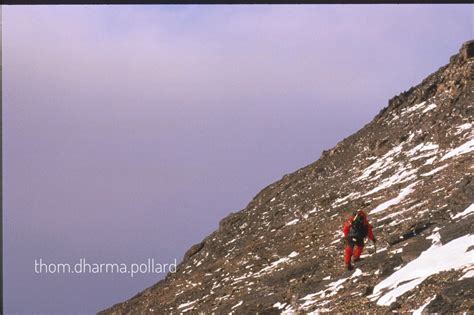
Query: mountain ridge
[[270, 258]]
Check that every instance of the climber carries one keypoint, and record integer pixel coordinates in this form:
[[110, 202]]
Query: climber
[[356, 229]]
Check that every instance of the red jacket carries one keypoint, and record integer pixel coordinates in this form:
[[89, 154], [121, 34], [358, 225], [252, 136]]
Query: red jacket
[[347, 225]]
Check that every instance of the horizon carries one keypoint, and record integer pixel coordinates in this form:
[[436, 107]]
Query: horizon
[[131, 131]]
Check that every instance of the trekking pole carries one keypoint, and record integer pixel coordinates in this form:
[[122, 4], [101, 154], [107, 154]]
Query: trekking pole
[[375, 248]]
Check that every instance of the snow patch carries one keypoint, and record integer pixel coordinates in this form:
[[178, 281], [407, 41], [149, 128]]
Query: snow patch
[[293, 254], [413, 108], [430, 161], [380, 164], [274, 264], [292, 222], [434, 171], [463, 127], [356, 273], [435, 259], [462, 149], [314, 210], [422, 147], [403, 193], [468, 272], [397, 251], [429, 107], [466, 212], [335, 241], [435, 238], [331, 290], [343, 200], [419, 311], [279, 305], [187, 304], [237, 305], [402, 175]]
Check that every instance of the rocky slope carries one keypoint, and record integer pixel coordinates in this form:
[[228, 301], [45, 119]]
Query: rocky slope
[[411, 169]]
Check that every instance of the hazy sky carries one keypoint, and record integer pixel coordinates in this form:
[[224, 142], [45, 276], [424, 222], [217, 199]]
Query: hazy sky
[[130, 131]]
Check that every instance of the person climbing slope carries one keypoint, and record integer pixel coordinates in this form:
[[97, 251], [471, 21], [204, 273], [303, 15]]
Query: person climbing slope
[[356, 229]]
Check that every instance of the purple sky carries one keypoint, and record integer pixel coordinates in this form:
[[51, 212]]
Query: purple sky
[[130, 131]]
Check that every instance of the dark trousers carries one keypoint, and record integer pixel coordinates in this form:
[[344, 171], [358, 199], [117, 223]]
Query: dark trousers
[[350, 244]]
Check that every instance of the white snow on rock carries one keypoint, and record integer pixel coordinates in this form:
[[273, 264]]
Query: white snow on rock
[[436, 170], [400, 176], [380, 164], [462, 149], [466, 212], [343, 200], [356, 273], [292, 222], [430, 161], [187, 304], [419, 311], [413, 108], [397, 251], [404, 172], [293, 254], [463, 127], [422, 147], [274, 264], [429, 107], [186, 309], [314, 210], [230, 242], [468, 272], [435, 259], [410, 137], [403, 193], [435, 238], [331, 289], [279, 306], [237, 305]]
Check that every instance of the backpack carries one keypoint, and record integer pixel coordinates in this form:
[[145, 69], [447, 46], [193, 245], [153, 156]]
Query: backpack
[[358, 229]]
